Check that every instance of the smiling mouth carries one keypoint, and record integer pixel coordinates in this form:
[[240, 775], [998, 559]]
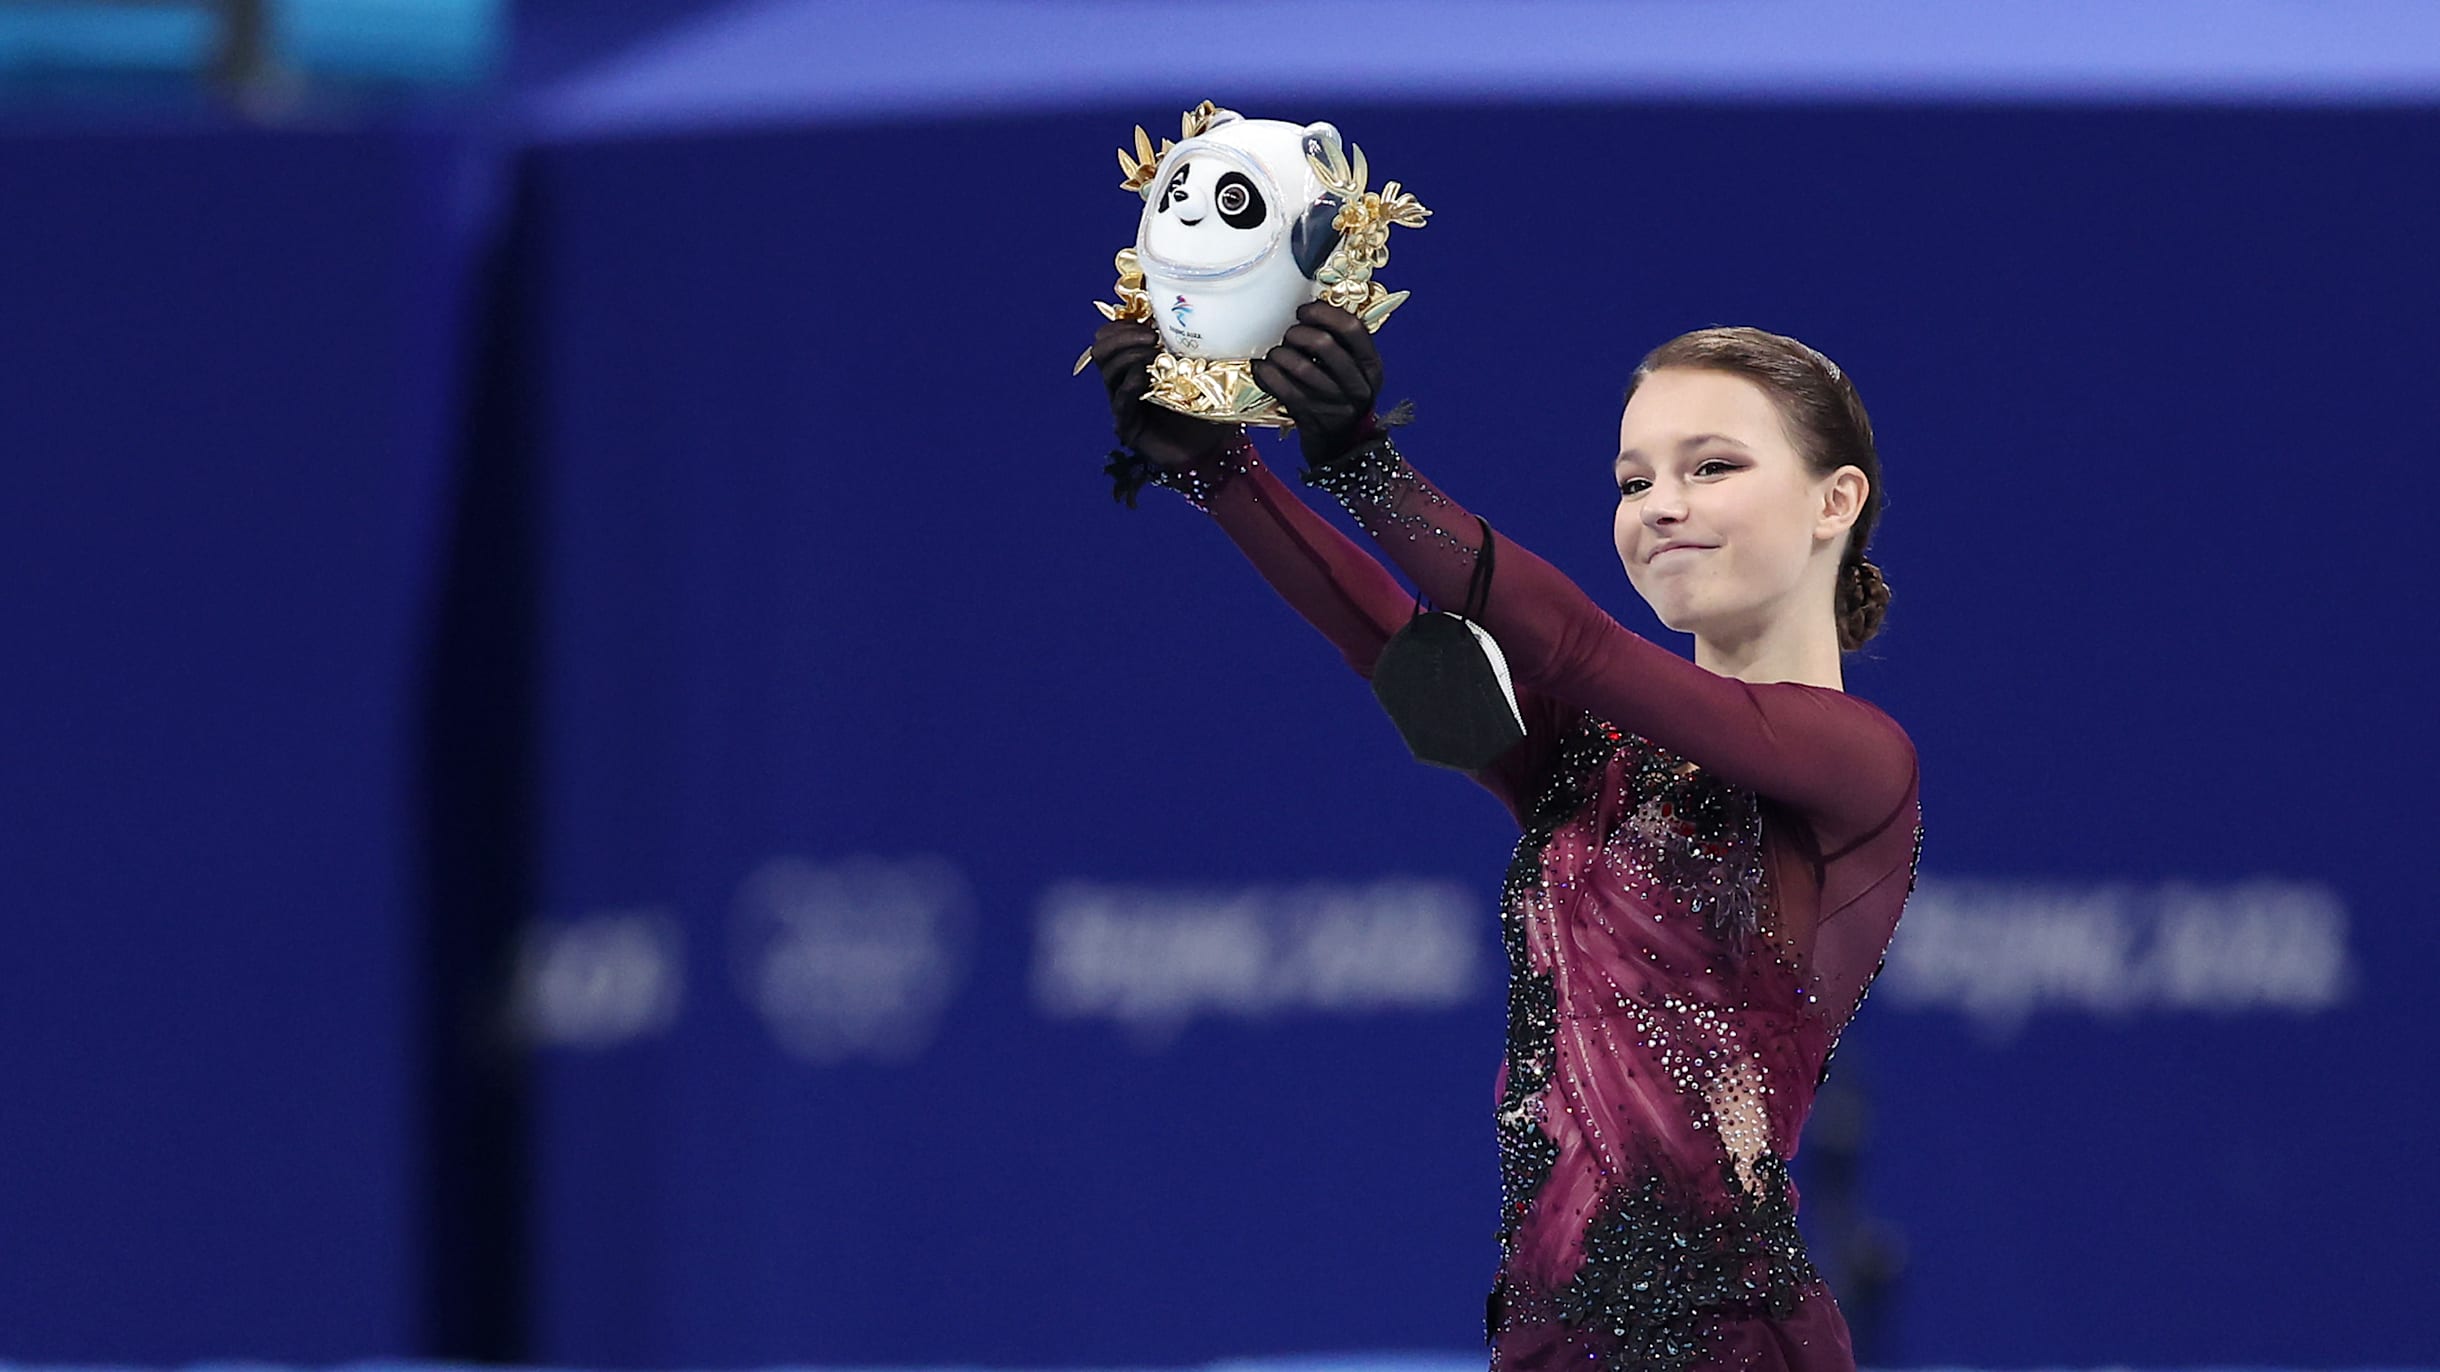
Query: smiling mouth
[[1685, 548], [1190, 223]]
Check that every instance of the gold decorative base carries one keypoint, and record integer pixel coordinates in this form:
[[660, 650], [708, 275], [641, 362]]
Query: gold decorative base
[[1213, 388]]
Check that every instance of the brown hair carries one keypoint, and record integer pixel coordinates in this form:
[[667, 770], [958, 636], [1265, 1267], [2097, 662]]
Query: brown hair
[[1818, 404]]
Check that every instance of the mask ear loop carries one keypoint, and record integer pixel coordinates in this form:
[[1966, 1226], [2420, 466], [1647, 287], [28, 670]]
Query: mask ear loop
[[1478, 587], [1478, 590]]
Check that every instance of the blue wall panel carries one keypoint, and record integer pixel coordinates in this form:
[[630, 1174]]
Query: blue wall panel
[[224, 401]]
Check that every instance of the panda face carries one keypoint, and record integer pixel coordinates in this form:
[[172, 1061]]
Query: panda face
[[1209, 214]]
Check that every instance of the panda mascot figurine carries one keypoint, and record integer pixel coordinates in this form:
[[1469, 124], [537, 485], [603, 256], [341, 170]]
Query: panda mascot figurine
[[1236, 224]]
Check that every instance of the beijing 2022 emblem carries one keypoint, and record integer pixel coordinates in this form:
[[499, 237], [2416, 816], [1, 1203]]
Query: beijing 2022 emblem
[[1244, 220]]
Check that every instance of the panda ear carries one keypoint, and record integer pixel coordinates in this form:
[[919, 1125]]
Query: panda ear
[[1322, 141], [1314, 235]]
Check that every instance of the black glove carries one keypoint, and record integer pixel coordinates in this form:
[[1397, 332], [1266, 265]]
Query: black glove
[[1123, 350], [1326, 374]]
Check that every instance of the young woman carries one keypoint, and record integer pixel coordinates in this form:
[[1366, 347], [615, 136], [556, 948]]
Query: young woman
[[1715, 852]]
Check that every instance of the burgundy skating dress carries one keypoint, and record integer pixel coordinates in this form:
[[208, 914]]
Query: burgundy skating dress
[[1708, 880]]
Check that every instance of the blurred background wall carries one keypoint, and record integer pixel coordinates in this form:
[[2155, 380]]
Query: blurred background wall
[[594, 778]]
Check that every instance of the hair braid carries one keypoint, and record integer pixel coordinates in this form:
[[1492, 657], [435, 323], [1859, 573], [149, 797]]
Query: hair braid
[[1862, 601]]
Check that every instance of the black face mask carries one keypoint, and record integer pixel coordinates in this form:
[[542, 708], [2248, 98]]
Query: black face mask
[[1445, 683]]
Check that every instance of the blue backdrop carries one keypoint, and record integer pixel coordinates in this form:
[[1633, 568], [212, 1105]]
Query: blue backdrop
[[228, 418], [844, 622], [766, 862]]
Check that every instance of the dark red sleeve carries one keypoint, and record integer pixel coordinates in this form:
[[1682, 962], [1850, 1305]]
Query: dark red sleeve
[[1822, 751], [1342, 589]]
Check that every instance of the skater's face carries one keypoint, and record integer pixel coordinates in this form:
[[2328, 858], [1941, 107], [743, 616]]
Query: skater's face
[[1704, 460]]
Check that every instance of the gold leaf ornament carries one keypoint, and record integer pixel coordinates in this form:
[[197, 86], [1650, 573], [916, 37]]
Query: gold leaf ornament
[[1132, 302], [1139, 168]]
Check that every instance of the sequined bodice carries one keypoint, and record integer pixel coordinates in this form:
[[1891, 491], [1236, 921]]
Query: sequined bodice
[[1656, 1056]]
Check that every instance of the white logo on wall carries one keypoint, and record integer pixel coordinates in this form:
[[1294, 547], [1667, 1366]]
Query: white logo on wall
[[856, 958], [1153, 958], [598, 980], [1998, 951]]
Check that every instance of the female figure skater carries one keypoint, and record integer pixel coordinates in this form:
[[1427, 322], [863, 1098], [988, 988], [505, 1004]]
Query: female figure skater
[[1715, 852]]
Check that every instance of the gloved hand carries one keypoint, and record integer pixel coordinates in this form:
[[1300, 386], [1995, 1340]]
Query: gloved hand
[[1122, 351], [1326, 374]]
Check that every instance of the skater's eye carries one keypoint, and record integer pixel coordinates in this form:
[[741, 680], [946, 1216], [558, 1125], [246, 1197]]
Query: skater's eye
[[1634, 485]]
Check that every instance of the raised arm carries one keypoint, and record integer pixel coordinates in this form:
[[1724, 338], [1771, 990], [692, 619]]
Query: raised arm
[[1330, 579], [1820, 750], [1333, 581], [1340, 588]]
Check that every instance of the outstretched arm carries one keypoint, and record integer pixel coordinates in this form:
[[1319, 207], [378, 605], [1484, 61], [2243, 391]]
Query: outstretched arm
[[1820, 750], [1333, 581], [1329, 578], [1341, 589]]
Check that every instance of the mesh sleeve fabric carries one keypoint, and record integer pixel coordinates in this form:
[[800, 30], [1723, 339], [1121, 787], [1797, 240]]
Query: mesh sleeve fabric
[[1839, 760], [1338, 586]]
